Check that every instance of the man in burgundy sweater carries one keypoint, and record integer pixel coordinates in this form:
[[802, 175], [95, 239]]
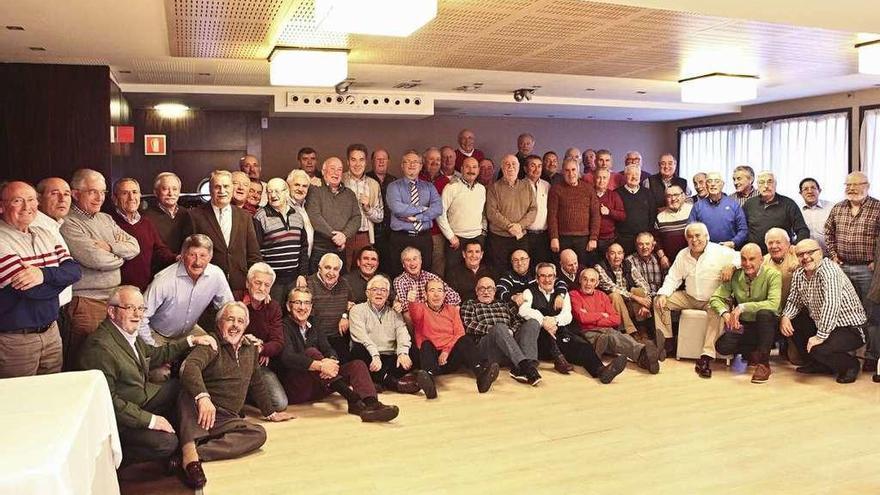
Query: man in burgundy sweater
[[138, 271], [265, 329], [611, 211], [573, 217]]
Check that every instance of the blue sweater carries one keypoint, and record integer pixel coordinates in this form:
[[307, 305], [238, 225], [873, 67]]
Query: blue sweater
[[724, 219]]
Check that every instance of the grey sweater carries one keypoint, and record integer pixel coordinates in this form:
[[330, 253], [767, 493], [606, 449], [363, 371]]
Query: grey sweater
[[100, 269], [329, 212], [387, 335]]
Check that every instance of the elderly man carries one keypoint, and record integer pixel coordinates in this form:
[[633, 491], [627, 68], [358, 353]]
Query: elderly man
[[34, 270], [463, 278], [281, 234], [635, 158], [501, 334], [569, 269], [431, 172], [510, 208], [536, 233], [100, 247], [599, 320], [550, 168], [538, 305], [443, 347], [256, 189], [851, 233], [310, 368], [143, 409], [769, 209], [671, 221], [380, 339], [467, 149], [250, 165], [414, 204], [447, 164], [722, 214], [462, 219], [749, 305], [264, 313], [626, 286], [611, 211], [369, 197], [781, 257], [604, 161], [814, 210], [335, 213], [663, 179], [381, 230], [525, 145], [231, 231], [744, 184], [700, 189], [171, 221], [415, 278], [703, 266], [573, 216], [241, 183], [333, 299], [589, 160], [209, 406], [573, 154], [308, 162], [639, 206], [138, 271], [836, 323], [487, 170], [298, 186], [53, 197], [180, 293]]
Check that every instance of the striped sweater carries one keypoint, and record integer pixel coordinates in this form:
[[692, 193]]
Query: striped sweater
[[38, 306], [283, 241]]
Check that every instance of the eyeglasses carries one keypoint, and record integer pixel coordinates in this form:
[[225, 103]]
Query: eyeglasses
[[131, 307], [299, 303], [486, 289], [381, 290], [520, 260], [546, 275], [808, 253]]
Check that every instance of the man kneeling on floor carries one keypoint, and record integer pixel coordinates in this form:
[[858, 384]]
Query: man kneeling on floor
[[215, 384], [599, 323], [749, 305], [439, 331]]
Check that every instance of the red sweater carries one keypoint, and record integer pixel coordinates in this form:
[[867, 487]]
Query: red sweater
[[587, 310], [617, 180], [442, 328], [573, 210], [265, 324], [138, 270], [459, 157], [615, 214]]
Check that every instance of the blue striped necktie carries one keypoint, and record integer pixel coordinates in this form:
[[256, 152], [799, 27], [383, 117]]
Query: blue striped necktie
[[414, 200]]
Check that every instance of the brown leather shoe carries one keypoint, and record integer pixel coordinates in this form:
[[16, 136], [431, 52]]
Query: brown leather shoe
[[562, 365], [406, 385], [704, 366], [793, 354], [762, 373], [193, 476]]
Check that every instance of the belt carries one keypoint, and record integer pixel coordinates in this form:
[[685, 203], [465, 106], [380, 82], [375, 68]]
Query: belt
[[22, 331], [536, 232], [857, 263], [414, 234]]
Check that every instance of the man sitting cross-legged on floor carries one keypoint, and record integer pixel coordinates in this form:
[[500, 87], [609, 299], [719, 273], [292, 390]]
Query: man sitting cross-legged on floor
[[439, 332], [599, 323], [501, 334], [749, 305]]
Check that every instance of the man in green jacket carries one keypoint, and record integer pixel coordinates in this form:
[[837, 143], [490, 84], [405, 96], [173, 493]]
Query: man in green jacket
[[142, 407], [749, 305]]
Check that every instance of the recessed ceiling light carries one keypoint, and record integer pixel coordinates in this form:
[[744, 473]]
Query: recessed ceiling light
[[589, 116], [171, 110], [629, 118], [537, 86], [36, 48], [641, 92], [15, 28], [378, 17], [507, 115], [590, 89], [551, 116], [125, 72], [204, 73]]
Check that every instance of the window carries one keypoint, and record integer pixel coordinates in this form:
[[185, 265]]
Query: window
[[792, 148], [869, 144]]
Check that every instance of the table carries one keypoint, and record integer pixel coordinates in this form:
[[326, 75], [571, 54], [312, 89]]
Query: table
[[59, 435]]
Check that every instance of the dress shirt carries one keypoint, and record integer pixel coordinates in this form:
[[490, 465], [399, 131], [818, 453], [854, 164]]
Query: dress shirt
[[542, 193], [649, 269], [815, 216], [479, 318], [852, 239], [224, 219], [430, 205], [307, 223], [463, 207], [526, 310], [405, 282], [175, 303], [53, 226], [615, 282], [369, 187], [701, 275], [828, 296]]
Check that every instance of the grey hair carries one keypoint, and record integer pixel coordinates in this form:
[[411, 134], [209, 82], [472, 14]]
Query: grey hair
[[118, 184], [297, 172], [378, 279], [330, 256], [697, 225], [197, 241], [777, 231], [116, 294], [164, 175], [237, 304], [260, 267], [220, 173], [81, 176], [544, 264], [407, 250]]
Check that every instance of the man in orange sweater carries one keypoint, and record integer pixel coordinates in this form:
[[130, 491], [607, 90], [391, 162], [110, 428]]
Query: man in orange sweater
[[599, 324]]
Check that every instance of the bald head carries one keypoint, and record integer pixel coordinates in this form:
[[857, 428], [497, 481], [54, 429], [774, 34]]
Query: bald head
[[18, 205], [568, 261], [332, 171]]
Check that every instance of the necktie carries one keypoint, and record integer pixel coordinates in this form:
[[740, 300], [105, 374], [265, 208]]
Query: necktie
[[226, 224], [414, 200]]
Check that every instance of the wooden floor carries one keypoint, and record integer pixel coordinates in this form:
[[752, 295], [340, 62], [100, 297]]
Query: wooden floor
[[670, 433]]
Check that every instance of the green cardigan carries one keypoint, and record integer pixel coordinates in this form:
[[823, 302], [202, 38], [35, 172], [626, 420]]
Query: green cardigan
[[765, 293], [130, 387]]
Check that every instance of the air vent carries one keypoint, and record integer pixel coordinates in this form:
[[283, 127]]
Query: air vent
[[384, 104], [407, 85]]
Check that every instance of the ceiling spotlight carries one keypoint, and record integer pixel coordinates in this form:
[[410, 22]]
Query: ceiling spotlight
[[171, 110], [343, 87], [523, 94]]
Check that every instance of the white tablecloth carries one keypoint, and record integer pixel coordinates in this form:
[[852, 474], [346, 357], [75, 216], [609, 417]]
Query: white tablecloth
[[59, 435]]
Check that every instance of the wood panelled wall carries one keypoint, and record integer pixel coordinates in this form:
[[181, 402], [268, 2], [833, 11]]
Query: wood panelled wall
[[53, 120]]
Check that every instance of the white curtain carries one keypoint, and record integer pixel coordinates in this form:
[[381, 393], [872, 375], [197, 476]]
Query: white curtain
[[870, 148], [815, 146]]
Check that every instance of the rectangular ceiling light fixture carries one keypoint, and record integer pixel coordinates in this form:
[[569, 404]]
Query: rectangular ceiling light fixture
[[376, 17], [719, 87], [307, 67], [869, 57]]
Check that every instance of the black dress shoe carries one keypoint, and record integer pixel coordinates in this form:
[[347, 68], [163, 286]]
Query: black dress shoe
[[876, 378], [174, 465], [849, 375], [812, 369], [426, 383], [612, 369], [704, 367], [193, 475], [379, 413], [486, 376]]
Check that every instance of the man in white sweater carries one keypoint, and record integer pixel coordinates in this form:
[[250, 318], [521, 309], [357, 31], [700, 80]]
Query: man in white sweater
[[462, 219]]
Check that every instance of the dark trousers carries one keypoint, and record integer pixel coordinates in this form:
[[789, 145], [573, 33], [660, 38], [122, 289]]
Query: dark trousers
[[143, 444], [308, 386], [230, 437], [319, 251], [756, 336], [578, 351], [548, 349], [464, 352], [501, 247], [401, 240], [834, 353], [453, 256], [539, 247], [577, 243], [381, 234], [389, 370], [627, 242], [342, 345]]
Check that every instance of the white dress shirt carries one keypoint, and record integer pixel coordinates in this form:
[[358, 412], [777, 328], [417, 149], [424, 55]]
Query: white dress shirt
[[224, 218], [526, 310], [542, 191], [701, 275], [53, 226], [815, 217]]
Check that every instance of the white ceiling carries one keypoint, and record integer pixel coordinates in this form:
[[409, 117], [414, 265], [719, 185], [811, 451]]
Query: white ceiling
[[628, 53]]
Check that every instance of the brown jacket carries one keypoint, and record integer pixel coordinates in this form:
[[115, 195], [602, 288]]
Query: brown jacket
[[243, 250]]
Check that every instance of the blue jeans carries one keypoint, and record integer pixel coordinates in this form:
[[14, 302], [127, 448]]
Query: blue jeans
[[860, 276]]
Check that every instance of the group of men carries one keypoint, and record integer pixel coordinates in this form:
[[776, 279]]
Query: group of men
[[339, 280]]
